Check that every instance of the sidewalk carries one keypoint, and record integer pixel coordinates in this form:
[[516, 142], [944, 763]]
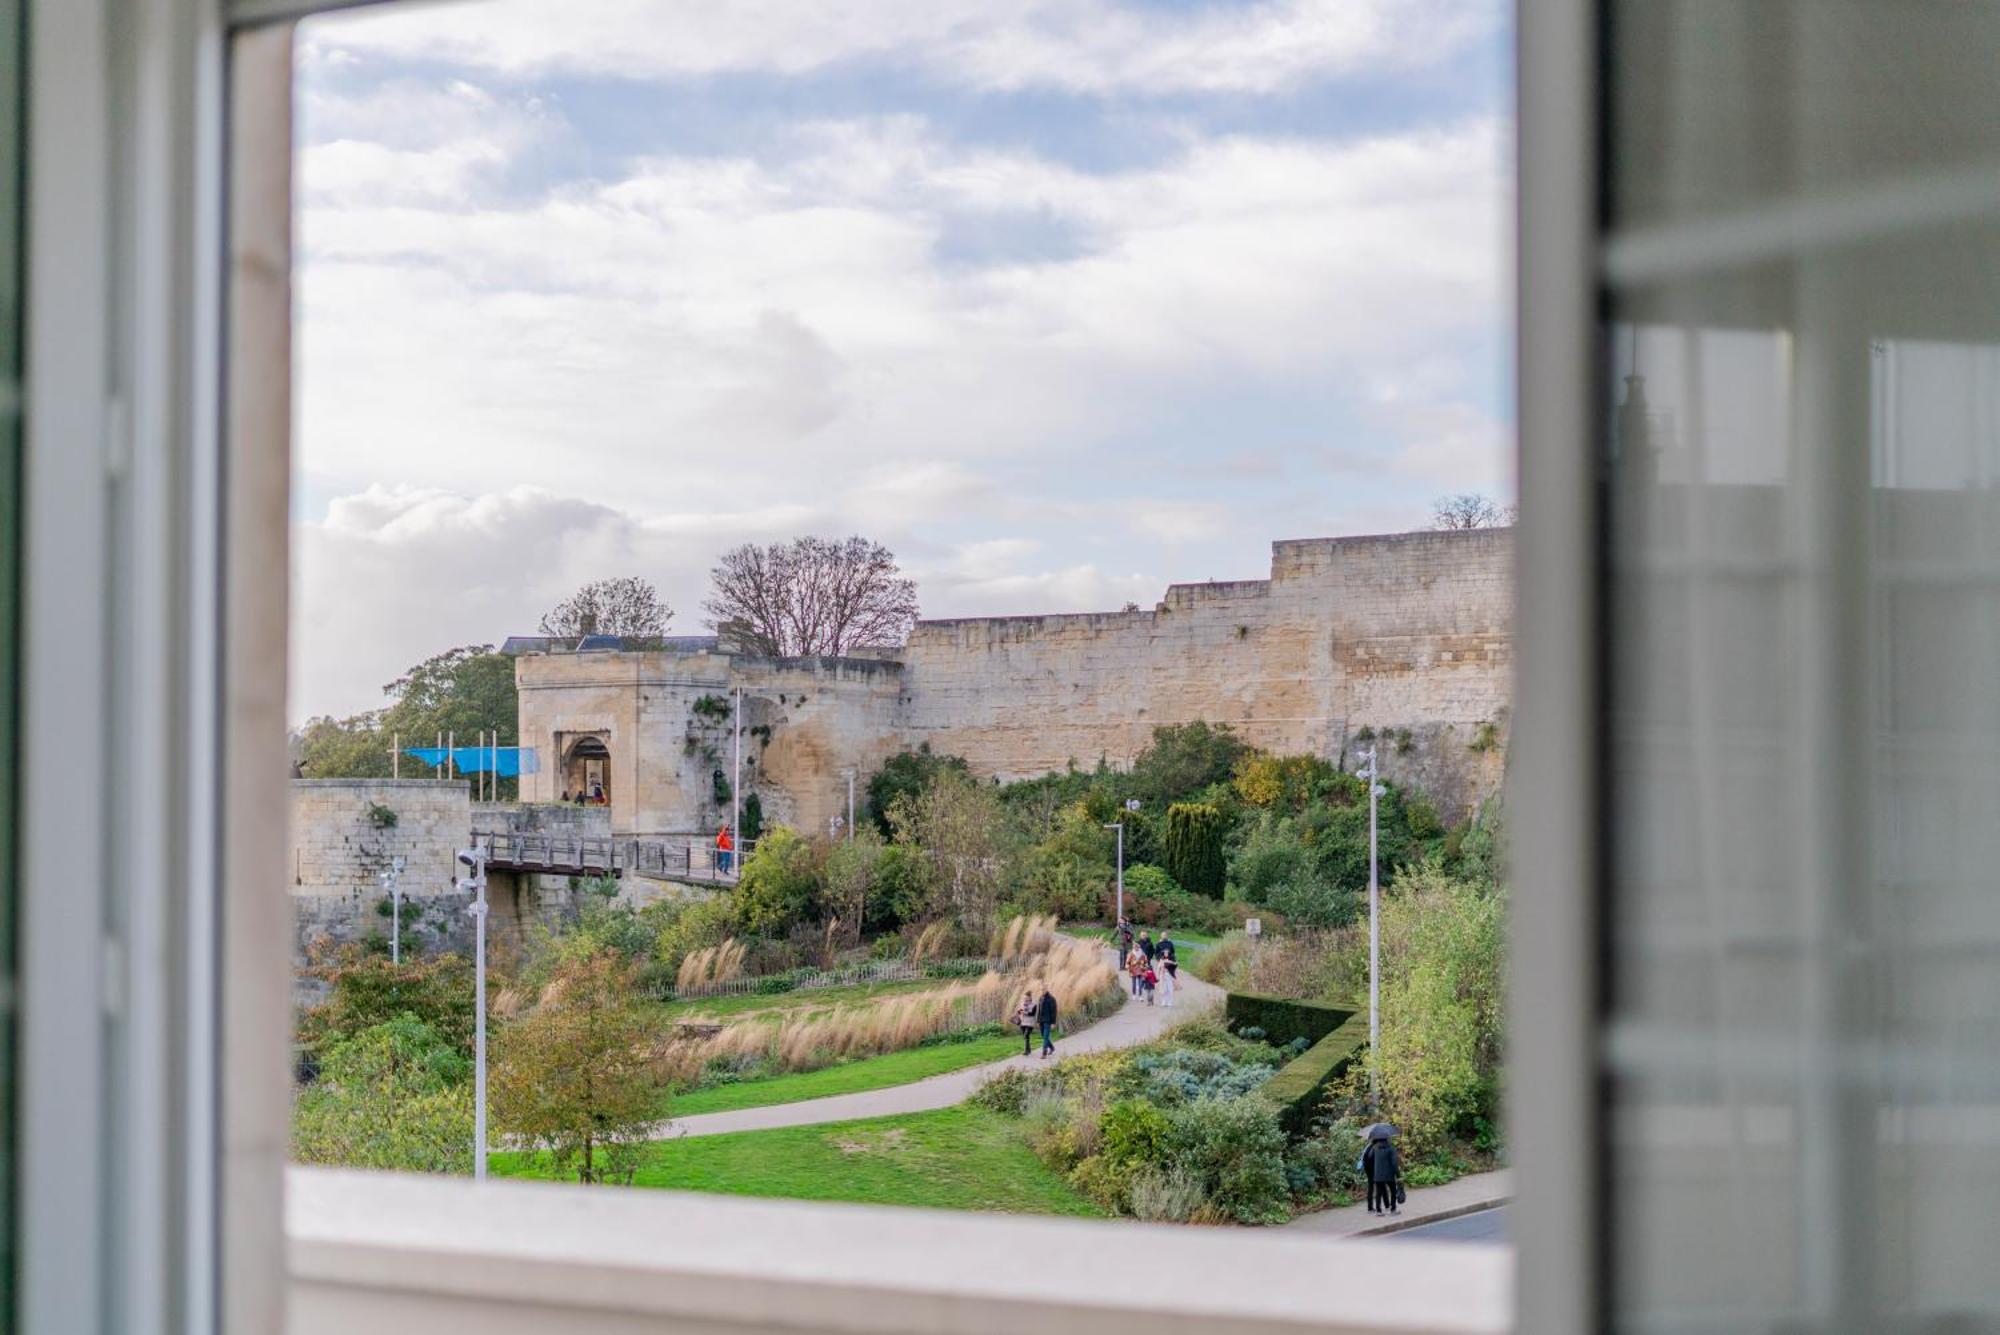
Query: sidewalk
[[1130, 1025], [1426, 1205]]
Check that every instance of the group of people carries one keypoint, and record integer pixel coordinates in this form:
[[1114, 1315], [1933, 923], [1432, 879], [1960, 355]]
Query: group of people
[[593, 796], [1382, 1169], [1037, 1014], [1152, 965]]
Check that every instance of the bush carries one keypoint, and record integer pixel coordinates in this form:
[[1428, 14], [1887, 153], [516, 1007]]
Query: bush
[[1235, 1149], [1299, 1088], [395, 1096], [779, 885], [1186, 758], [1134, 1134], [1176, 1076], [1283, 1020], [1170, 1195], [1194, 847], [1103, 1183], [370, 991]]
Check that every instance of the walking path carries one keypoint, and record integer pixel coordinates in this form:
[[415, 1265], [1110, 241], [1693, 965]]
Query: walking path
[[1426, 1205], [1133, 1023]]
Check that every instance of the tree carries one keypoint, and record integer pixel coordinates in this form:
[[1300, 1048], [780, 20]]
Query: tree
[[850, 881], [394, 1095], [1184, 758], [574, 1075], [954, 824], [627, 606], [457, 694], [813, 596], [907, 773], [779, 885], [368, 991], [1468, 510], [1194, 847]]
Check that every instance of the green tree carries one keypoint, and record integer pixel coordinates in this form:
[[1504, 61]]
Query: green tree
[[1185, 758], [1194, 847], [956, 825], [1068, 872], [905, 774], [457, 694], [850, 880], [367, 990], [780, 884], [394, 1095], [574, 1075]]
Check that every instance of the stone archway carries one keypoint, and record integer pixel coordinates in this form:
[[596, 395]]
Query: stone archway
[[586, 768]]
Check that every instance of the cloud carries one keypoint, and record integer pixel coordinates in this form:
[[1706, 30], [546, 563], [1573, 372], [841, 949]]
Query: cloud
[[1092, 47]]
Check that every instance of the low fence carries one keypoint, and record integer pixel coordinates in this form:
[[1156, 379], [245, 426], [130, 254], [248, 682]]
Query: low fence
[[874, 971]]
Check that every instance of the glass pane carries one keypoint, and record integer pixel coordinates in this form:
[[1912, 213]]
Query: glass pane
[[1802, 422], [12, 130]]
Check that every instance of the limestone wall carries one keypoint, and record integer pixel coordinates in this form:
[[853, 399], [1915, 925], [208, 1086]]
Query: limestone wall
[[1407, 637]]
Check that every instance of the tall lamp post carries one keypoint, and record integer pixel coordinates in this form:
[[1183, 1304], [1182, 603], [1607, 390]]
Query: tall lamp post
[[1369, 772], [850, 804], [474, 860], [1131, 804], [392, 876]]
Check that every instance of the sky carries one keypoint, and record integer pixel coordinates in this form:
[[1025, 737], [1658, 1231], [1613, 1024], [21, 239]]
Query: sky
[[1062, 300]]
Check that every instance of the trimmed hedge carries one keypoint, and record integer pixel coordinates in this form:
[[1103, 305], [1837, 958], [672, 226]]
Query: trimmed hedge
[[1299, 1086], [1284, 1021]]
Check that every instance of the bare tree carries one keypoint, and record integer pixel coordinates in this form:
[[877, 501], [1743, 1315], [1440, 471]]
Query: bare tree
[[813, 595], [1469, 510], [627, 606]]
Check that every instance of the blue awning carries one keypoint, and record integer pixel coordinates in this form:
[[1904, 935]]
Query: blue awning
[[506, 761]]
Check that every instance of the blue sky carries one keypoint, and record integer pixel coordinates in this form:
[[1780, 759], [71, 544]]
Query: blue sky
[[1063, 301]]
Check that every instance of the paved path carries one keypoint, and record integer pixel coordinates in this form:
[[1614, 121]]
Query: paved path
[[1134, 1023], [1426, 1205]]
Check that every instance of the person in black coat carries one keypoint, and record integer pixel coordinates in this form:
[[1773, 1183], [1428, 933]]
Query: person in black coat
[[1045, 1016], [1381, 1165]]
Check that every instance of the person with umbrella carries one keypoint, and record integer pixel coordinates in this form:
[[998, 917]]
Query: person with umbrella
[[1382, 1167]]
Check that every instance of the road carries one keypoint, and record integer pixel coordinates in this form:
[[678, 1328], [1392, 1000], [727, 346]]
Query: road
[[1488, 1227]]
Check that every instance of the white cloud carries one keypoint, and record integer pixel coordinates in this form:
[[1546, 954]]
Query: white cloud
[[1085, 46]]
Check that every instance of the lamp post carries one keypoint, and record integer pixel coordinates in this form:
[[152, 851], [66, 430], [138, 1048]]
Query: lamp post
[[1131, 804], [1369, 772], [850, 804], [474, 859], [392, 876]]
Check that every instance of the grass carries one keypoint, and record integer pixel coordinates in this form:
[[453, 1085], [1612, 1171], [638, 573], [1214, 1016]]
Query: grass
[[896, 1068], [960, 1158]]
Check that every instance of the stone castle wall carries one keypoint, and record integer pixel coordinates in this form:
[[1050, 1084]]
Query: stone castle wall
[[1407, 637]]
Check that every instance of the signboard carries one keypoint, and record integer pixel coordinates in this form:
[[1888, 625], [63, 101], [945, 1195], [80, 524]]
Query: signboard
[[1253, 927]]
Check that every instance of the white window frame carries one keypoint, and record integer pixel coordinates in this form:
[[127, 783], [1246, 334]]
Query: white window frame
[[153, 944]]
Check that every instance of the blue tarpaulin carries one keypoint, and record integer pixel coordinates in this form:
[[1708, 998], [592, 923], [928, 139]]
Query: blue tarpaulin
[[506, 761]]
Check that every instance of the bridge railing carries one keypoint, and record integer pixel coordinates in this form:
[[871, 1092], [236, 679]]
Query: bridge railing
[[685, 857]]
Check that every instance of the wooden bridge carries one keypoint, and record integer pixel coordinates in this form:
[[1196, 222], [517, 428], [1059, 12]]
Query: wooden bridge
[[670, 858]]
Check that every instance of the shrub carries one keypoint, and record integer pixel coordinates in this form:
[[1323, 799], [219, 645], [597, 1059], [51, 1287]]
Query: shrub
[[779, 885], [1194, 847], [1186, 758], [1283, 1020], [753, 813], [1236, 1151], [1170, 1195], [1299, 1088], [1134, 1134], [370, 991], [393, 1096], [1102, 1182], [1176, 1076], [906, 774]]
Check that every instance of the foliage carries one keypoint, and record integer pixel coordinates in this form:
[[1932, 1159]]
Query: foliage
[[1443, 961], [850, 877], [1134, 1134], [382, 817], [954, 824], [626, 606], [1300, 1087], [1469, 510], [1185, 758], [394, 1095], [1152, 899], [753, 818], [368, 990], [1177, 1076], [1194, 847], [574, 1076], [1068, 871], [1235, 1149], [780, 883], [905, 774], [812, 595], [1283, 1019], [460, 692]]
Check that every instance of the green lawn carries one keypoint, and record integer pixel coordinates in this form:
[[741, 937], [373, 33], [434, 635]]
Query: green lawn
[[896, 1068], [962, 1158]]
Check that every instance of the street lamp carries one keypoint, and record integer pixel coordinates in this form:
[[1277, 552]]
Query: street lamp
[[391, 878], [1131, 804], [1369, 772], [474, 860], [850, 802]]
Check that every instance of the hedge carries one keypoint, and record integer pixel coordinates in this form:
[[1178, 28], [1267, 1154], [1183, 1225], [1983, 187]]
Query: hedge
[[1284, 1021], [1299, 1086]]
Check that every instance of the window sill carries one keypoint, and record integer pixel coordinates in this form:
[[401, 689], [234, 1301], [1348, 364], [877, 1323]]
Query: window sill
[[384, 1253]]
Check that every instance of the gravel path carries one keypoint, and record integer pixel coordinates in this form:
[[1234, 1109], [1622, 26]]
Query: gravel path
[[1133, 1023]]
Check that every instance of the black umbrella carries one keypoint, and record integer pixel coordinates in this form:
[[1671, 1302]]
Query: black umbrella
[[1380, 1131]]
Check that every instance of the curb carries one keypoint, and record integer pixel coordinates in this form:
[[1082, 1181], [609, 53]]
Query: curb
[[1436, 1217]]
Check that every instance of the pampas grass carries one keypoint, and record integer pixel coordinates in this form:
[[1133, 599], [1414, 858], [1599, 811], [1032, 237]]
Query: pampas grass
[[712, 965], [1084, 984]]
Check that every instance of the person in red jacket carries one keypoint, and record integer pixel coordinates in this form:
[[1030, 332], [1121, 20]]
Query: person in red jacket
[[725, 850]]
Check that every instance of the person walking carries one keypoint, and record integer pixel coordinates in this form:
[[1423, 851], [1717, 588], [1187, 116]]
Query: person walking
[[1382, 1167], [1135, 965], [1168, 967], [1045, 1016], [1146, 944], [1151, 978], [1124, 938], [1025, 1017]]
